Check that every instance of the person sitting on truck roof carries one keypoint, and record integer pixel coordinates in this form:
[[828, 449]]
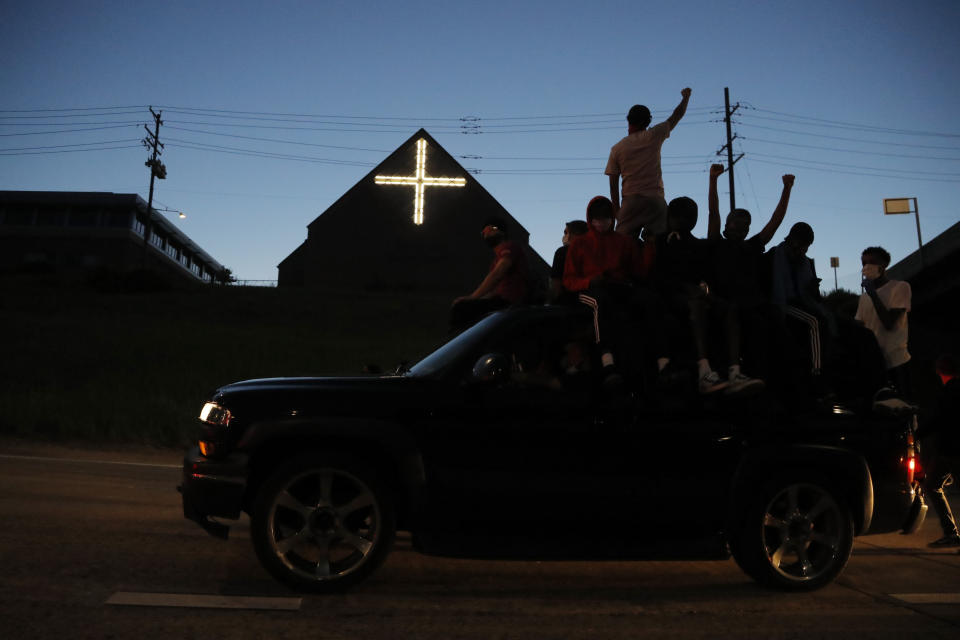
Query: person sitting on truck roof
[[505, 284], [559, 294], [603, 268], [736, 277]]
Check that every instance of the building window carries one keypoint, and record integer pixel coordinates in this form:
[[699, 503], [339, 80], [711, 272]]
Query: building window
[[156, 241], [138, 227]]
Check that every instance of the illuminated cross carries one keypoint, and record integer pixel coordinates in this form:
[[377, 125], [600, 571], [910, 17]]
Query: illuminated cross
[[420, 181]]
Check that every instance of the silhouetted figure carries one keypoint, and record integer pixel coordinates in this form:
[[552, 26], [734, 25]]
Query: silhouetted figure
[[883, 309], [558, 293], [795, 289], [636, 158], [680, 270], [602, 268], [735, 277], [506, 283], [939, 436]]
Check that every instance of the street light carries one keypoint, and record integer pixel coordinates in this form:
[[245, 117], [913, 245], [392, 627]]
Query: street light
[[893, 206], [835, 262]]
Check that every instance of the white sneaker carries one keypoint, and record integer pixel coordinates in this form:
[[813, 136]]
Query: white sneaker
[[711, 382], [740, 383]]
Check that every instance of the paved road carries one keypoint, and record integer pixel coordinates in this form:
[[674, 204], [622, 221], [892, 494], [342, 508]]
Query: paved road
[[79, 527]]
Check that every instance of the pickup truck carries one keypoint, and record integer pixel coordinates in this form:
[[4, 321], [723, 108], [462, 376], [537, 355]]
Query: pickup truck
[[503, 443]]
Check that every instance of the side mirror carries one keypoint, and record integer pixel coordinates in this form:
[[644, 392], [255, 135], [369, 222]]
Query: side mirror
[[492, 368]]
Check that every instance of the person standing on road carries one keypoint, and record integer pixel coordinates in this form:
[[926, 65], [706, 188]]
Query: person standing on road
[[883, 309], [636, 159], [939, 437]]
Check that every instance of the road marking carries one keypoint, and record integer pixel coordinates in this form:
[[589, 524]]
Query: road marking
[[197, 601], [129, 464], [928, 598]]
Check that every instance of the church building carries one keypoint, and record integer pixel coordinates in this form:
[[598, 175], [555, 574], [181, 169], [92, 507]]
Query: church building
[[412, 224]]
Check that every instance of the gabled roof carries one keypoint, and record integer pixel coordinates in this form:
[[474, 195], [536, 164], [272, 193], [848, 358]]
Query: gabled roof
[[396, 164]]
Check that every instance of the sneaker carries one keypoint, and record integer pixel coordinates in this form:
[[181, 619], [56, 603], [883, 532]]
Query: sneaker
[[744, 384], [946, 541], [711, 382]]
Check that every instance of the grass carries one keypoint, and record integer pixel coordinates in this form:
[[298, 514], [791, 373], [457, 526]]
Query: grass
[[78, 363]]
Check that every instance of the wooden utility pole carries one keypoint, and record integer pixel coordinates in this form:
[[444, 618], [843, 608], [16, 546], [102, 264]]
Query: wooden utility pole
[[157, 170], [728, 112]]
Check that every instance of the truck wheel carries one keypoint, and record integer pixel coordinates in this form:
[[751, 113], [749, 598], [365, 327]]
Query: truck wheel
[[797, 536], [322, 522]]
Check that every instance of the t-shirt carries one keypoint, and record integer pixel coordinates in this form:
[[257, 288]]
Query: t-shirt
[[681, 259], [736, 270], [637, 159], [894, 294], [513, 287]]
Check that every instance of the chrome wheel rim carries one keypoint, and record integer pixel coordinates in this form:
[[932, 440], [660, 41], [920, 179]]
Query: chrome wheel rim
[[803, 529], [324, 524]]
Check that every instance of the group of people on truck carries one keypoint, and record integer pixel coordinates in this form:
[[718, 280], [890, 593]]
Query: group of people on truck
[[635, 263]]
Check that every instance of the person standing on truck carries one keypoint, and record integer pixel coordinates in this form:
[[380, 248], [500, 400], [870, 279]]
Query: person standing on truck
[[883, 309], [939, 436], [636, 158]]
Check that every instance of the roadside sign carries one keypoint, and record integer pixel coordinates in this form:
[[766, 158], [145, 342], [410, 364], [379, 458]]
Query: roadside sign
[[896, 205], [834, 262]]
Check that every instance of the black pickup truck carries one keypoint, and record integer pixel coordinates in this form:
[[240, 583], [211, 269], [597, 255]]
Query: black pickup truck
[[497, 445]]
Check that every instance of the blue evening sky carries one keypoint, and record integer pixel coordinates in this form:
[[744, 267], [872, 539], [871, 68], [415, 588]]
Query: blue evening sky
[[858, 99]]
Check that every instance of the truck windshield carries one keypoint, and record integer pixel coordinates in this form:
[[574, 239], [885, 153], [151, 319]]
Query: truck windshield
[[466, 342]]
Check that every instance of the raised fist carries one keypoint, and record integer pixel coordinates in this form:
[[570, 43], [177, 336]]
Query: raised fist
[[716, 170], [685, 92], [788, 180]]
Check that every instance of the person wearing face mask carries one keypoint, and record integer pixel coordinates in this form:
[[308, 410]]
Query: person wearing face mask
[[558, 293], [603, 267], [883, 309], [735, 276], [505, 284]]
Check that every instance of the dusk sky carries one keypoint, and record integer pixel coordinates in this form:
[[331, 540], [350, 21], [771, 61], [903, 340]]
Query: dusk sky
[[273, 110]]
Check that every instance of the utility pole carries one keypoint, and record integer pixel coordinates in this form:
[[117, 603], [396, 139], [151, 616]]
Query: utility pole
[[157, 170], [727, 113]]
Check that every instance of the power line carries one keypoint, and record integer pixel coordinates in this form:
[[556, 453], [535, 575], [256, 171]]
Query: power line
[[79, 144], [864, 128], [44, 133], [32, 153], [868, 153], [860, 140], [857, 125]]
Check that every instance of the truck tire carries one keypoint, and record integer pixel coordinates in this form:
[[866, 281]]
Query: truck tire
[[795, 535], [322, 522]]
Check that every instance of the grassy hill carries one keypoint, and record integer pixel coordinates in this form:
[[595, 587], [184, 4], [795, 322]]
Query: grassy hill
[[81, 363]]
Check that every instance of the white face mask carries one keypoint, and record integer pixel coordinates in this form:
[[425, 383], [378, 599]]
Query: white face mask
[[871, 271]]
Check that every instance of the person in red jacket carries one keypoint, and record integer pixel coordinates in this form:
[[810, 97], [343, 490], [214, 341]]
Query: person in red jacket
[[603, 268]]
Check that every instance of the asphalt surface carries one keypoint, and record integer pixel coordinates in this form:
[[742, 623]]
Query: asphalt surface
[[84, 531]]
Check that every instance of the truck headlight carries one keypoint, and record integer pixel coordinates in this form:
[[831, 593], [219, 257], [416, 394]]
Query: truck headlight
[[212, 413]]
